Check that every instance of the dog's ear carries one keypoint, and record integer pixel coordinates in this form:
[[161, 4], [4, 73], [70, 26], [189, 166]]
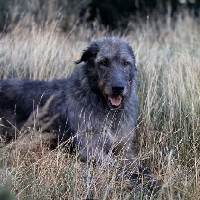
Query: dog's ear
[[89, 53]]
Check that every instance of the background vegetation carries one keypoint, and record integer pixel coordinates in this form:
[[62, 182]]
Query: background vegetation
[[112, 14], [168, 128]]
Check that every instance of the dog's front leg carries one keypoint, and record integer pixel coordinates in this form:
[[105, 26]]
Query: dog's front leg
[[94, 151], [134, 170]]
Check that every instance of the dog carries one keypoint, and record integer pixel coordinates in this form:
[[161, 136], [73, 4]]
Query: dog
[[95, 108]]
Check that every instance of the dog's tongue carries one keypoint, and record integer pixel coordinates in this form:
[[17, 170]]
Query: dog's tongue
[[115, 100]]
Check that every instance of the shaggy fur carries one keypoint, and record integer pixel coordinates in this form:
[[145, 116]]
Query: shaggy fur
[[95, 107]]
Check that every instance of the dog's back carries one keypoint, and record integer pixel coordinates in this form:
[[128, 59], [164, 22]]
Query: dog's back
[[20, 97]]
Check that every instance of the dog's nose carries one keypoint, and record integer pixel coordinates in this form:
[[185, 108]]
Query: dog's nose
[[118, 88]]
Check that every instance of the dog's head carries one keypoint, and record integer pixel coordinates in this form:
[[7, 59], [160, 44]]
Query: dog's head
[[111, 65]]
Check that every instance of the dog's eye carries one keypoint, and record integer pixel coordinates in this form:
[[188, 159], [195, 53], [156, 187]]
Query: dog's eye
[[126, 63], [102, 62]]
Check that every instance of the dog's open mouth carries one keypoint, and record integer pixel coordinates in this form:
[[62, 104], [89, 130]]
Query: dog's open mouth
[[115, 100]]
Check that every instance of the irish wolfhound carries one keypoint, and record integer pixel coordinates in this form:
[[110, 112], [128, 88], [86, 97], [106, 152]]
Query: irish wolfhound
[[96, 107]]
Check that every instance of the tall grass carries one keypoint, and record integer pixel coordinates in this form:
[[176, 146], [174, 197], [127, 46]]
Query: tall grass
[[168, 128]]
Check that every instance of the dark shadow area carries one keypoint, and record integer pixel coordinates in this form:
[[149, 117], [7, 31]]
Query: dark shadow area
[[112, 14]]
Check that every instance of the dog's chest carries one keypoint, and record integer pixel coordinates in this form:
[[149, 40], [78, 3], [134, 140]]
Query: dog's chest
[[101, 123]]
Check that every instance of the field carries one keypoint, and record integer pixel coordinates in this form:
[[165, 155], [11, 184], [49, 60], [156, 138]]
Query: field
[[168, 126]]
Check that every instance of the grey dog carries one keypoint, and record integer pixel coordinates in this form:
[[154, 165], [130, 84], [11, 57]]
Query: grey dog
[[96, 107]]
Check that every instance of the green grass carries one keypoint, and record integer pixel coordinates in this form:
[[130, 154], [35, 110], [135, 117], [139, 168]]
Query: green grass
[[168, 128]]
